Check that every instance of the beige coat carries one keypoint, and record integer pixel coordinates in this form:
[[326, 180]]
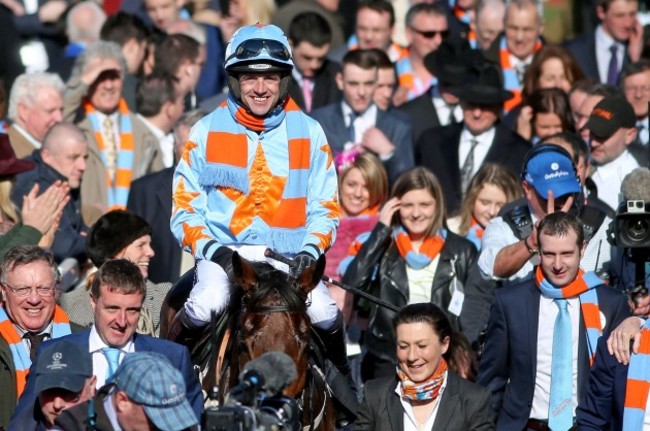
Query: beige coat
[[21, 145]]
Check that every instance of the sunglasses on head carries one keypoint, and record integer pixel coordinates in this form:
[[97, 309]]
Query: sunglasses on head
[[431, 34], [253, 47]]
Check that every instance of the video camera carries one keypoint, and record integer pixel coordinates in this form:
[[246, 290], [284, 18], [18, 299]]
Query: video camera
[[631, 226], [257, 403]]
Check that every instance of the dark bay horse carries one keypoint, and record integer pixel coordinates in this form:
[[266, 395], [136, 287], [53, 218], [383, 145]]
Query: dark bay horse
[[269, 313]]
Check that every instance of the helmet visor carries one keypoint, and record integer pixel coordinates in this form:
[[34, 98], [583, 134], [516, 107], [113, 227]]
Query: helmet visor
[[250, 49]]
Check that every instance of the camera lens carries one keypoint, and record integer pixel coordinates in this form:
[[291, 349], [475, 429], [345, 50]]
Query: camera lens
[[638, 230]]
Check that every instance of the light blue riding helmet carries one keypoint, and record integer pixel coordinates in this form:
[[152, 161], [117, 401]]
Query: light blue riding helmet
[[257, 49]]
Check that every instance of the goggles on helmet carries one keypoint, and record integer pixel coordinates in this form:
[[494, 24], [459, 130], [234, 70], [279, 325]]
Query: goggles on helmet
[[250, 49]]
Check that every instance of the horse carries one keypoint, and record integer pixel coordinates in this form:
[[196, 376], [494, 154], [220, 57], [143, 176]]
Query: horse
[[268, 313]]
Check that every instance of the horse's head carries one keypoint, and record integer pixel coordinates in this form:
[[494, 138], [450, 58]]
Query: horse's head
[[274, 313]]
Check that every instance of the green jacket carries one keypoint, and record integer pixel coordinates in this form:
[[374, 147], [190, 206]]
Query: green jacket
[[18, 235]]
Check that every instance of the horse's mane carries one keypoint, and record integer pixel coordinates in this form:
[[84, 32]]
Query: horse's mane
[[269, 281]]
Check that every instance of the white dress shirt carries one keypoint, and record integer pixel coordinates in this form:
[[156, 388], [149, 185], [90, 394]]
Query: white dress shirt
[[115, 118], [362, 122], [100, 364], [604, 55], [516, 63], [410, 423], [548, 311], [443, 109], [165, 142], [609, 177], [480, 151]]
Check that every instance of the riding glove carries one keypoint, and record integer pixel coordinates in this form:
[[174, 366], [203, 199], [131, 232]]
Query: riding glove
[[302, 261]]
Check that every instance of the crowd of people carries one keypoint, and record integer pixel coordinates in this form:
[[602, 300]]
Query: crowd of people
[[455, 159]]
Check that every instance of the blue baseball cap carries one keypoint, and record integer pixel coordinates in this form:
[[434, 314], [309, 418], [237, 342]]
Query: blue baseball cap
[[152, 382], [62, 364], [552, 170]]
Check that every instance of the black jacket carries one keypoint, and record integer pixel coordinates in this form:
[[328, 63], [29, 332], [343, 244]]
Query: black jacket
[[390, 282]]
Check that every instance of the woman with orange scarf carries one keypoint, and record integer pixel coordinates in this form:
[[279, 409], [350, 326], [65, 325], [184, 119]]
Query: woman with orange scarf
[[410, 257], [425, 392]]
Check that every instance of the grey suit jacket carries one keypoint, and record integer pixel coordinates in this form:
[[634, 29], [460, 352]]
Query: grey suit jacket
[[464, 406], [396, 129]]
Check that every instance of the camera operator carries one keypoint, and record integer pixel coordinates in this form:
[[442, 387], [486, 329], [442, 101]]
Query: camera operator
[[550, 184]]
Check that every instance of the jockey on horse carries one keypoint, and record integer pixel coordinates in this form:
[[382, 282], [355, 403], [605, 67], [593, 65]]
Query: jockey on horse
[[256, 173]]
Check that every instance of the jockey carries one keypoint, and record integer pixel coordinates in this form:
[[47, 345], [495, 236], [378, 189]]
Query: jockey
[[257, 173]]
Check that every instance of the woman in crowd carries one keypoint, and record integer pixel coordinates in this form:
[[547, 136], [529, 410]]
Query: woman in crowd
[[409, 257], [489, 190], [546, 113], [119, 235], [38, 219], [425, 392], [552, 67], [363, 187]]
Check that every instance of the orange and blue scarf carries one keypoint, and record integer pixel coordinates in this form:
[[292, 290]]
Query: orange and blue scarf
[[19, 353], [118, 190], [584, 288], [428, 390], [406, 78], [429, 249], [510, 80], [638, 384], [475, 233]]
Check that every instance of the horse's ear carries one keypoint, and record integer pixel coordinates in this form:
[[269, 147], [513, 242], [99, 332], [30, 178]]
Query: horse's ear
[[311, 276], [243, 272]]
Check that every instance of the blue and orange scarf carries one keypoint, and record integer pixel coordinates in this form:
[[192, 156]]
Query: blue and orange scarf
[[584, 288], [475, 233], [118, 189], [510, 79], [638, 384], [429, 249], [19, 353]]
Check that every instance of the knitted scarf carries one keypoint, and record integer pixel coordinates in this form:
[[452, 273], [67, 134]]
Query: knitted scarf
[[584, 287], [427, 390], [353, 250], [20, 355], [395, 52], [227, 166], [511, 82], [429, 249], [118, 190], [407, 78], [638, 384]]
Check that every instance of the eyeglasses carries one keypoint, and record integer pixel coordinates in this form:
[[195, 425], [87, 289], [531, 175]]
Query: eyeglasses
[[431, 34], [25, 291], [253, 47]]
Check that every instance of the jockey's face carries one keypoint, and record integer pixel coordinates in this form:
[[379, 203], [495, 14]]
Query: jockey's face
[[260, 92]]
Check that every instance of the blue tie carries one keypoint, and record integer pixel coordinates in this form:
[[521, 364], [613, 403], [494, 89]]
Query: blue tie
[[560, 412], [612, 69], [351, 132], [113, 358]]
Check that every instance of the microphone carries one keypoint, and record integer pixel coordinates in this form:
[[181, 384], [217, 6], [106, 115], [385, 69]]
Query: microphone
[[276, 369], [636, 185]]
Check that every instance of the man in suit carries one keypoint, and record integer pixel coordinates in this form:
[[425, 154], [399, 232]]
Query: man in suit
[[160, 104], [314, 76], [513, 51], [150, 198], [35, 105], [456, 152], [356, 124], [116, 294], [543, 333], [618, 40], [118, 153], [635, 81], [29, 278], [440, 106]]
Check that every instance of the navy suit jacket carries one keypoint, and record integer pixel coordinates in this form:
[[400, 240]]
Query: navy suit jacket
[[583, 49], [396, 129], [437, 149], [509, 362], [178, 356], [602, 408], [150, 197]]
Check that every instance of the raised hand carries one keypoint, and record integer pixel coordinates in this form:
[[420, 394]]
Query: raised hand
[[387, 211]]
